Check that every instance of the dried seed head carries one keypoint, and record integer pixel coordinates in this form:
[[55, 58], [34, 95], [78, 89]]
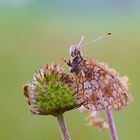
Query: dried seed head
[[94, 118], [51, 91]]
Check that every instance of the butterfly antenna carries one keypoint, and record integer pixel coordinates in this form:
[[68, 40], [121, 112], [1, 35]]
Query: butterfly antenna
[[81, 41], [98, 38]]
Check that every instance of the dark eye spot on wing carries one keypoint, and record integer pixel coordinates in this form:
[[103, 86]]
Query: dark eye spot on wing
[[97, 98], [89, 74]]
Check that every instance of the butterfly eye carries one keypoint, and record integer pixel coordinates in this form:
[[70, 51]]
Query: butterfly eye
[[72, 54], [72, 50]]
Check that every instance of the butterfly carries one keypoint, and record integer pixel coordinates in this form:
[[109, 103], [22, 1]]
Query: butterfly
[[98, 86]]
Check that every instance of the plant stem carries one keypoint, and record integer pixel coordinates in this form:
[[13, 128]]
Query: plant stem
[[63, 128], [113, 131]]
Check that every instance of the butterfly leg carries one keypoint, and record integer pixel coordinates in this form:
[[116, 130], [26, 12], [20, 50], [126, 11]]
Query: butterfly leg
[[67, 62]]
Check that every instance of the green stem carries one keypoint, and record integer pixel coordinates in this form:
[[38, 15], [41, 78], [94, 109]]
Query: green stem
[[63, 128]]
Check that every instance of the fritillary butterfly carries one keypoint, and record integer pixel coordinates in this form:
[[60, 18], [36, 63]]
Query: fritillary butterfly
[[97, 85]]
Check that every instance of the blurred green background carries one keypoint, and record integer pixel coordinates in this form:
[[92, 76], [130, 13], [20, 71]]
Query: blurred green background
[[33, 33]]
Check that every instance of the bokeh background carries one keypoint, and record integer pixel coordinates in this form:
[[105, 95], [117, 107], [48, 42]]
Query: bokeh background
[[33, 33]]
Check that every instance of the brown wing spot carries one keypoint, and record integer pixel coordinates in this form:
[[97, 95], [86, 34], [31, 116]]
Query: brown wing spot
[[91, 66], [107, 91], [94, 100], [81, 79], [89, 76], [102, 72]]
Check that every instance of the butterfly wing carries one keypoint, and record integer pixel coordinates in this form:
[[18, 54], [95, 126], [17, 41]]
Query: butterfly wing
[[100, 88]]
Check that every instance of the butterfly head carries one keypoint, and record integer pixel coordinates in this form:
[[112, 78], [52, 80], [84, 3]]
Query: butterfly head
[[74, 50], [76, 56]]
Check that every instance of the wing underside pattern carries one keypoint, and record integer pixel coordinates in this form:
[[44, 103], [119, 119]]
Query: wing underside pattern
[[100, 88]]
